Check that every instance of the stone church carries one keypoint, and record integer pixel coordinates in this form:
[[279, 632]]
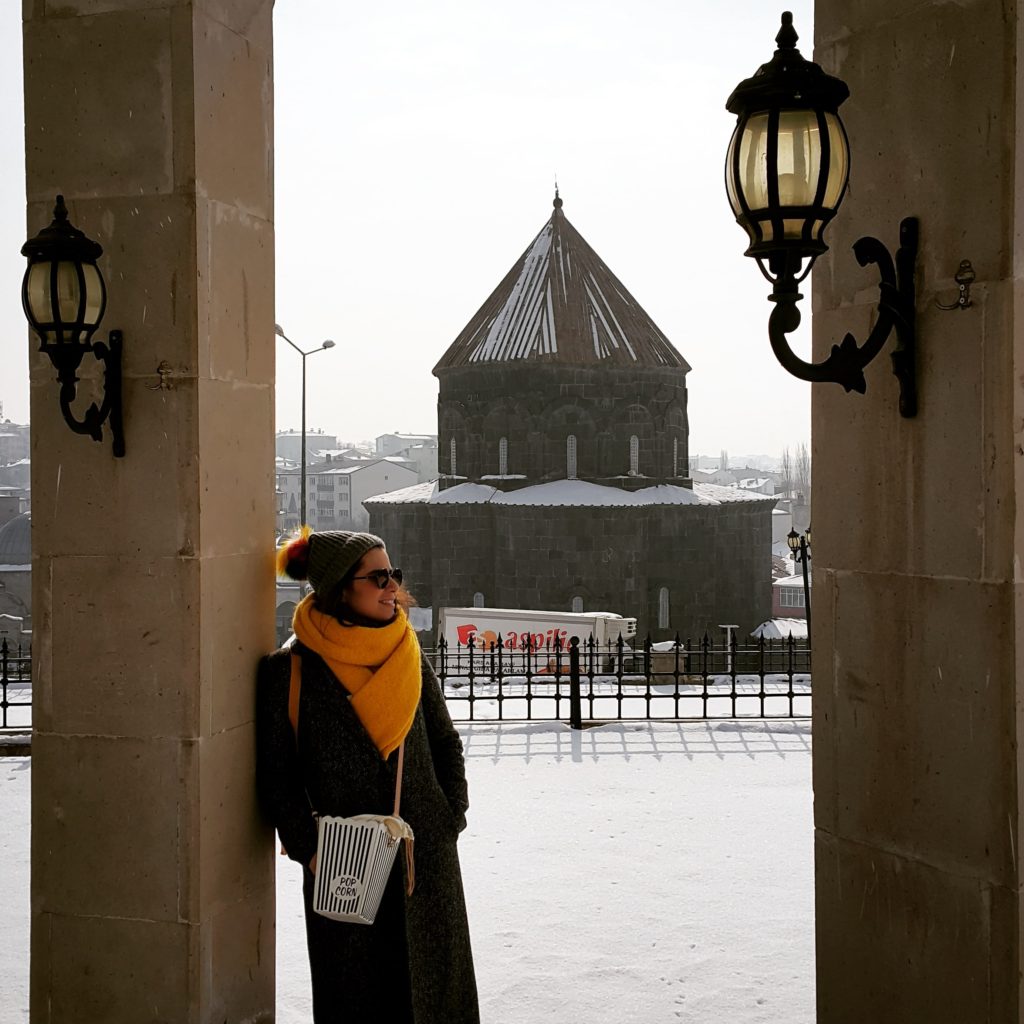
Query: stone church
[[563, 452]]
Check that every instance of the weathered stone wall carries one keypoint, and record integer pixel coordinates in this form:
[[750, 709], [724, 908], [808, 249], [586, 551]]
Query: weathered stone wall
[[918, 533], [712, 559], [537, 405]]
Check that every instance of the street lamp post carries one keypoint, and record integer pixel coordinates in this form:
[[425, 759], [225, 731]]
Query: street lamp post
[[800, 549], [302, 475]]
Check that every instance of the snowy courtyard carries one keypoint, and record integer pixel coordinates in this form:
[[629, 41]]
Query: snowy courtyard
[[633, 872]]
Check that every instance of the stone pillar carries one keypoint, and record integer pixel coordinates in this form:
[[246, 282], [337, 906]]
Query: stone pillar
[[919, 533], [152, 874]]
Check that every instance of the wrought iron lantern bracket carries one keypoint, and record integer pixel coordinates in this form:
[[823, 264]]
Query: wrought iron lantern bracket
[[110, 409], [896, 311]]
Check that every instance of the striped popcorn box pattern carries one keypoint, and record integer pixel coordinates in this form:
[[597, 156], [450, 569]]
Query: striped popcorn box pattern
[[354, 858]]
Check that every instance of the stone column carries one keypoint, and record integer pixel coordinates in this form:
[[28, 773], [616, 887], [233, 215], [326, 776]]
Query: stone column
[[918, 534], [152, 874]]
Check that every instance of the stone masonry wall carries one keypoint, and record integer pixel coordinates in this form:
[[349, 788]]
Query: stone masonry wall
[[536, 406], [712, 559]]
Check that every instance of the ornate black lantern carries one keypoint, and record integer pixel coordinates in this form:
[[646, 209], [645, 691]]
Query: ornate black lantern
[[64, 299], [786, 174], [793, 540], [800, 551]]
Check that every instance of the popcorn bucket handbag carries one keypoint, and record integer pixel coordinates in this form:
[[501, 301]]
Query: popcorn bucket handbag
[[354, 856]]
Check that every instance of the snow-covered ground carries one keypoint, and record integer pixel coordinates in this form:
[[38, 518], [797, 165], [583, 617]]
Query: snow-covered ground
[[633, 872]]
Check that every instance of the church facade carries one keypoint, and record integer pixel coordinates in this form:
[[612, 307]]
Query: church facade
[[563, 451]]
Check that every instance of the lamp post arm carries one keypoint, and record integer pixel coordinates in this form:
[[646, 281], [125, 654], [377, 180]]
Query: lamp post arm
[[293, 345], [302, 472]]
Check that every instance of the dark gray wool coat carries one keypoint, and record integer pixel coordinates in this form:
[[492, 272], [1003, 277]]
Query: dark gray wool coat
[[414, 963]]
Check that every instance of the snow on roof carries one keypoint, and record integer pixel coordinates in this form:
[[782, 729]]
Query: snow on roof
[[716, 494], [330, 469], [560, 303], [781, 629], [792, 581], [575, 493], [464, 494], [405, 495]]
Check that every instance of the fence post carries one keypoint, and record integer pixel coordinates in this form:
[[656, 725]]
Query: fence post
[[3, 682], [575, 704]]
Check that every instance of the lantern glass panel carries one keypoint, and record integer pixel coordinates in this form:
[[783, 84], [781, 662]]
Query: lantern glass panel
[[69, 291], [839, 162], [798, 161], [754, 162], [37, 292], [95, 294], [730, 178], [799, 158]]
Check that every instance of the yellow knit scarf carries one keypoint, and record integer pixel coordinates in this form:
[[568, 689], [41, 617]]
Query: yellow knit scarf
[[380, 668]]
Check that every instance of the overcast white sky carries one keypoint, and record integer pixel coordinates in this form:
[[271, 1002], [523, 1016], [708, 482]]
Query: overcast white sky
[[417, 148]]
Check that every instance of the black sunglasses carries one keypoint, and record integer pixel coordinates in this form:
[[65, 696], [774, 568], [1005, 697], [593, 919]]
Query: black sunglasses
[[381, 577]]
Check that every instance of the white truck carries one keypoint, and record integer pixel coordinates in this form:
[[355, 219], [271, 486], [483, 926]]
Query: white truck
[[522, 627]]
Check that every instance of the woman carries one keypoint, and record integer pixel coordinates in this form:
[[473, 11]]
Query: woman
[[366, 688]]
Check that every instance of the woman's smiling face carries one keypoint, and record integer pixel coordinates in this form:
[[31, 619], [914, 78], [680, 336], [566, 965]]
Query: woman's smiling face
[[364, 597]]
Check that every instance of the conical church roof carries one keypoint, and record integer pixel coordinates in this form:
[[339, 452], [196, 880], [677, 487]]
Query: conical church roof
[[561, 304]]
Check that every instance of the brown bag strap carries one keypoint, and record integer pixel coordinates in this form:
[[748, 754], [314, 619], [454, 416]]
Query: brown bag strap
[[398, 777]]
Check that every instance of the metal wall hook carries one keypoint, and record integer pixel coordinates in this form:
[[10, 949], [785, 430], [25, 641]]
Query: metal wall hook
[[964, 278], [166, 373]]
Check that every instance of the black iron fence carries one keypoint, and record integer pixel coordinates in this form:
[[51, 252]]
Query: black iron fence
[[578, 682], [587, 682], [15, 687]]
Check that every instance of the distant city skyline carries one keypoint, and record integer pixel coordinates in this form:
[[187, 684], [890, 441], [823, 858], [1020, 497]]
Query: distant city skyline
[[416, 156]]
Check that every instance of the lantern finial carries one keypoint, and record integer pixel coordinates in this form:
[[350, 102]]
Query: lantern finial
[[787, 36]]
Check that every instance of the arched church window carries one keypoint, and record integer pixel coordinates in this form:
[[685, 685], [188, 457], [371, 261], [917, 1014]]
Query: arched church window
[[663, 616], [675, 456], [451, 450], [634, 455], [503, 457], [478, 600], [570, 457], [577, 604]]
